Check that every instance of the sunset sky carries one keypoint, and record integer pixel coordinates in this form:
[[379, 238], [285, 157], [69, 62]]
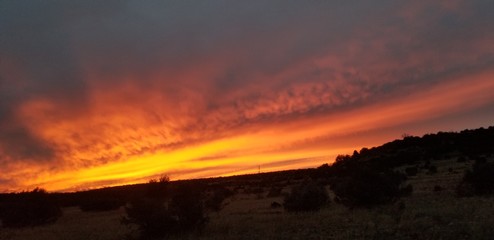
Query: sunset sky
[[103, 93]]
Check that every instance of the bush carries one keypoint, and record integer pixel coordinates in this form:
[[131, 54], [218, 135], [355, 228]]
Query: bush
[[478, 181], [157, 188], [188, 207], [366, 187], [157, 219], [309, 196], [30, 209], [218, 196], [274, 192], [152, 218]]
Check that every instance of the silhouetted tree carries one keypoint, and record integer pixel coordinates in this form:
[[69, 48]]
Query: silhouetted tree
[[29, 209], [187, 205], [157, 188], [309, 196], [478, 181], [152, 218], [156, 218], [218, 195], [363, 186]]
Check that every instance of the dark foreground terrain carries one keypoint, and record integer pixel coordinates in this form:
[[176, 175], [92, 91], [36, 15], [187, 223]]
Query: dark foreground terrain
[[439, 186]]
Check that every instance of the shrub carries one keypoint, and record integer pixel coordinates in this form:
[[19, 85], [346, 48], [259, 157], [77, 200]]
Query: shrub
[[274, 192], [157, 219], [30, 209], [478, 181], [218, 196], [187, 206], [157, 188], [366, 187], [309, 196], [151, 217]]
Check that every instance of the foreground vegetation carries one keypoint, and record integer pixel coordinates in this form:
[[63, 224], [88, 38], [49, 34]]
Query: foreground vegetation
[[433, 187], [431, 216]]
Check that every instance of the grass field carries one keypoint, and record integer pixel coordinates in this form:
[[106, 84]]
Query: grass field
[[427, 214]]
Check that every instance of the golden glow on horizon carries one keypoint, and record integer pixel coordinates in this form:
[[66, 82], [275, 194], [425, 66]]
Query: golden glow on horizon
[[267, 145]]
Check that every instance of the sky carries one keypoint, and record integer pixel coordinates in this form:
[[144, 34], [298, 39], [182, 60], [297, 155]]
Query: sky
[[104, 93]]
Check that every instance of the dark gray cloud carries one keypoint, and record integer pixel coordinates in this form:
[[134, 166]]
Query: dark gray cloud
[[17, 142], [35, 63]]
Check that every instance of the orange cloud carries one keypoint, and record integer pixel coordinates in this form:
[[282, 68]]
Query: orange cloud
[[261, 144], [118, 96]]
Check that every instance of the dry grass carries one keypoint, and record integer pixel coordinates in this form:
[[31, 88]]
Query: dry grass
[[74, 225], [424, 215]]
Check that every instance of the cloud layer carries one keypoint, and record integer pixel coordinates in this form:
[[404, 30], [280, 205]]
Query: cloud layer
[[97, 93]]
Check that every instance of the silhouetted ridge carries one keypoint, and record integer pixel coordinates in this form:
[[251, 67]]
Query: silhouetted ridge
[[468, 144]]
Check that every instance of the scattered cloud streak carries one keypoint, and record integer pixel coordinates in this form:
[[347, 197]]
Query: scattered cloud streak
[[97, 93]]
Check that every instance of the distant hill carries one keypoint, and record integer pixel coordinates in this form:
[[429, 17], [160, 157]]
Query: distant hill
[[464, 145]]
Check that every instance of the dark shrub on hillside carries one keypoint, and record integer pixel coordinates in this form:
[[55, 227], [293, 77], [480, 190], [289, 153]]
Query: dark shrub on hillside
[[157, 188], [218, 195], [187, 206], [365, 187], [152, 218], [478, 181], [309, 196], [157, 219], [274, 192], [100, 205], [29, 209]]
